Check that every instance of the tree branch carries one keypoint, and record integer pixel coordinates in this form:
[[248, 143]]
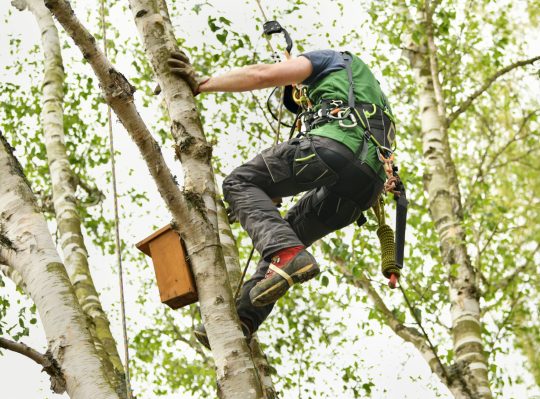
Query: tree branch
[[95, 195], [13, 275], [465, 104], [504, 323], [191, 342], [506, 281], [434, 62], [485, 168], [58, 384], [408, 334]]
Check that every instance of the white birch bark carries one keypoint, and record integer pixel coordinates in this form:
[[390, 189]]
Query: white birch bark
[[27, 246], [64, 198], [195, 209], [234, 270], [441, 184]]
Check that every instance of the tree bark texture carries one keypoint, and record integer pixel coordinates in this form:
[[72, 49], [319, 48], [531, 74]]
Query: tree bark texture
[[195, 209], [64, 198], [234, 270], [441, 185], [27, 246]]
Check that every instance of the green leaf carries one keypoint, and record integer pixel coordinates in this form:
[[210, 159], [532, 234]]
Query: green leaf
[[417, 314], [222, 37], [324, 281]]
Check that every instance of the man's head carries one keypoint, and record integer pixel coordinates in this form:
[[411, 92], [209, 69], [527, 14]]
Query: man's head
[[288, 100]]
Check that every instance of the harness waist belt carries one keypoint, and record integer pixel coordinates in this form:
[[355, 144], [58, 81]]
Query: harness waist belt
[[372, 118]]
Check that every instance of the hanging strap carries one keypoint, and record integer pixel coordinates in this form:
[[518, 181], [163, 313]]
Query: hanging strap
[[401, 223], [347, 58], [362, 151]]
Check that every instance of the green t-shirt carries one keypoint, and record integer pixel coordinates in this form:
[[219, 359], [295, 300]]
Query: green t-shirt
[[329, 80]]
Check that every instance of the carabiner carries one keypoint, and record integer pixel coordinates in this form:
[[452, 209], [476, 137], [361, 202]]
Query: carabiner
[[344, 115], [389, 154]]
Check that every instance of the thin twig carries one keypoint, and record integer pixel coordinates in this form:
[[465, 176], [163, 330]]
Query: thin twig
[[426, 336], [466, 104], [190, 342], [505, 320]]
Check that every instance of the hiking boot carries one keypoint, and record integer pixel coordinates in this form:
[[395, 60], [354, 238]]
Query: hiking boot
[[200, 333], [280, 278]]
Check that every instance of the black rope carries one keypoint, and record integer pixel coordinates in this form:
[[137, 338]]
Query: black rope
[[244, 274], [269, 108]]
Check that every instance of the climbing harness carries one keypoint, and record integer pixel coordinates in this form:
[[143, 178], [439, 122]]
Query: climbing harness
[[118, 242], [350, 115]]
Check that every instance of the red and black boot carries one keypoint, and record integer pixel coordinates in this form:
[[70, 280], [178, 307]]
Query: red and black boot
[[289, 266]]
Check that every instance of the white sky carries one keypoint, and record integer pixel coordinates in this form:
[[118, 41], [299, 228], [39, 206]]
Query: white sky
[[20, 378]]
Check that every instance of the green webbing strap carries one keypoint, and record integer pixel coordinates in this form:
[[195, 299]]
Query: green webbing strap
[[348, 61], [362, 151]]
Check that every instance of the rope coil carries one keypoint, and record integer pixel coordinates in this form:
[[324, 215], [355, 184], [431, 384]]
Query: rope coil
[[386, 240]]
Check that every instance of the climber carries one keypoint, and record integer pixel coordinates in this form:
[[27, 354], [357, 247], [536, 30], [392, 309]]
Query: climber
[[336, 162]]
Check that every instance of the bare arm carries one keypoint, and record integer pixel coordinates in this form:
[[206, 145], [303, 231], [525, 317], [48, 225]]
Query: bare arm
[[260, 76]]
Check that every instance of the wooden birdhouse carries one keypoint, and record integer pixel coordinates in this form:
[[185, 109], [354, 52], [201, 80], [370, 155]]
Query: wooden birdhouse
[[173, 273]]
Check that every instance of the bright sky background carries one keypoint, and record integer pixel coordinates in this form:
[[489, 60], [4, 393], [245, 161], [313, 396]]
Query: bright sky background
[[20, 378]]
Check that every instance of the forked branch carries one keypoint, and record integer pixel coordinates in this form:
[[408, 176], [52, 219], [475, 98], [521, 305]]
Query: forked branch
[[58, 384]]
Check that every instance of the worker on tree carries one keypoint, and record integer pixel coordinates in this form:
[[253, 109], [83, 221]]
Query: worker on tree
[[337, 163]]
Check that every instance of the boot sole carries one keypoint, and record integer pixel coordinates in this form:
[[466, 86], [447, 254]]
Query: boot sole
[[278, 286]]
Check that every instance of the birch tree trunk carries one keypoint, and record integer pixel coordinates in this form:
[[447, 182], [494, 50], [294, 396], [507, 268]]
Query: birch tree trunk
[[64, 198], [195, 208], [234, 270], [26, 246], [194, 152], [441, 184]]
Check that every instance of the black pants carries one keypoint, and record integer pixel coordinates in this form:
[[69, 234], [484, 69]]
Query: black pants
[[338, 189]]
